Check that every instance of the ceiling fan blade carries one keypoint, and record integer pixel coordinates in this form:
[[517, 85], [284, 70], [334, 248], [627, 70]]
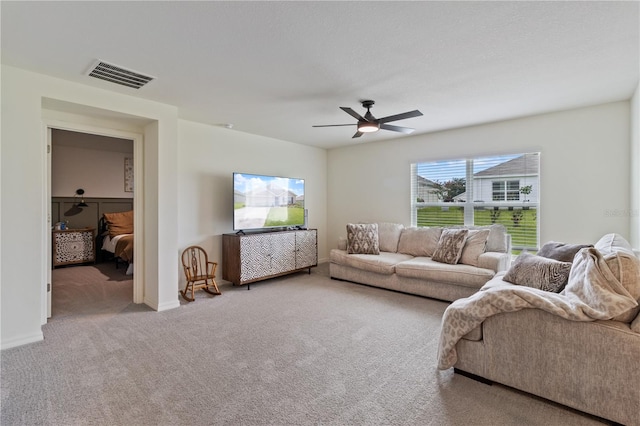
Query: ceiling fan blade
[[405, 130], [333, 125], [357, 135], [353, 114], [410, 114]]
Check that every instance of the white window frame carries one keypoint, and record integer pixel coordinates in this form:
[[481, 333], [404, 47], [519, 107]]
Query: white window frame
[[470, 203]]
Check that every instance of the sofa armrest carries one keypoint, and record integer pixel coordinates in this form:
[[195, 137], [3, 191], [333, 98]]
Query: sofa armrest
[[575, 363], [495, 261]]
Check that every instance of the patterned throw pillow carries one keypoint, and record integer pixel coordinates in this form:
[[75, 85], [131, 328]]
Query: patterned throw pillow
[[538, 272], [450, 245], [362, 238]]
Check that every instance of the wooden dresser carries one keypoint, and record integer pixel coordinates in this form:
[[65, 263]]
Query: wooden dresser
[[73, 246], [253, 257]]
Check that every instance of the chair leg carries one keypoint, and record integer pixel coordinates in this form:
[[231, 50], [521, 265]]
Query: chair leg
[[214, 285], [184, 292]]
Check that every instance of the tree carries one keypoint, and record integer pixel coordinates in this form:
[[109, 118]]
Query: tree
[[446, 191], [526, 190]]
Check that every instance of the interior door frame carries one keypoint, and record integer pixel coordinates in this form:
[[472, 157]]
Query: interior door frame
[[138, 205]]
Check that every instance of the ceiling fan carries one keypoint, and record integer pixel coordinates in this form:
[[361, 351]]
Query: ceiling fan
[[369, 123]]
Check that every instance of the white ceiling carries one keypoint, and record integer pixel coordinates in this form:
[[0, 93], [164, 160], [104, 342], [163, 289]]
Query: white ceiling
[[277, 68]]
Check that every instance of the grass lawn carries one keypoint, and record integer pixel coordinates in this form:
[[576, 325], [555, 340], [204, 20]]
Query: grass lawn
[[285, 216], [523, 232]]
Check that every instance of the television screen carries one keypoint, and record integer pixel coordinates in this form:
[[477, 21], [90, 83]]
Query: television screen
[[261, 201]]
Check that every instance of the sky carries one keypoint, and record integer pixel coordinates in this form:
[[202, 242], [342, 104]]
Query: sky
[[244, 182]]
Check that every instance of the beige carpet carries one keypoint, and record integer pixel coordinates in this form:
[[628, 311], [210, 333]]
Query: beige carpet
[[298, 350]]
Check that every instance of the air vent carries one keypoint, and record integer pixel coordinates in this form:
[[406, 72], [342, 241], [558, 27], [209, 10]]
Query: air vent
[[119, 75]]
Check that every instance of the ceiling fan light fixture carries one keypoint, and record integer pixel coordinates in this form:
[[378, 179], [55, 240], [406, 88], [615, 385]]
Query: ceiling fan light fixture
[[366, 127]]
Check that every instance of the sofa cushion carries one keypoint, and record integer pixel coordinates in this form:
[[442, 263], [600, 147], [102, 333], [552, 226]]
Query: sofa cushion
[[612, 242], [538, 272], [625, 266], [474, 246], [450, 245], [497, 240], [362, 238], [389, 236], [474, 335], [635, 324], [561, 251], [425, 268], [419, 241], [384, 263]]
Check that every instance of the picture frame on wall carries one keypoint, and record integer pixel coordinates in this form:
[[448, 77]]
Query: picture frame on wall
[[128, 174]]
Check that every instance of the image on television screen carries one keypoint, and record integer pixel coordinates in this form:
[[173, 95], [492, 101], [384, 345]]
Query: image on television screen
[[261, 201]]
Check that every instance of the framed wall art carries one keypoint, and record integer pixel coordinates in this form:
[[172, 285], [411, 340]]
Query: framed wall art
[[128, 175]]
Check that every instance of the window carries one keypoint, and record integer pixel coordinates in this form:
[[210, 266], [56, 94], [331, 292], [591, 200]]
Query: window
[[506, 190], [480, 191]]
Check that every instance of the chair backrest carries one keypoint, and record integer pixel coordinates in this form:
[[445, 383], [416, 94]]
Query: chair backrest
[[194, 261]]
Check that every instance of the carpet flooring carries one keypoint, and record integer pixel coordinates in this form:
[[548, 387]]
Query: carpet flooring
[[296, 350]]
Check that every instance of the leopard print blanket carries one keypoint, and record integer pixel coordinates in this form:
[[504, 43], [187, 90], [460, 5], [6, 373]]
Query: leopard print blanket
[[592, 293]]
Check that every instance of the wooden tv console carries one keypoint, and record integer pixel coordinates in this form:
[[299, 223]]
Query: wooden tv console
[[257, 256]]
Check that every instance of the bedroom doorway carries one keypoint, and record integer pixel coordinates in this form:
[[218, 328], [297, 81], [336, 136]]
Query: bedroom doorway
[[100, 163]]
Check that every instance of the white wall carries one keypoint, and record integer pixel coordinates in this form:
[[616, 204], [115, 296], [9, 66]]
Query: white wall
[[585, 174], [207, 158], [634, 212], [100, 173], [186, 173], [23, 168]]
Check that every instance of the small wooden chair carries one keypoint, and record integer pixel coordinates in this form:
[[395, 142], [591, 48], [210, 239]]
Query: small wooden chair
[[200, 273]]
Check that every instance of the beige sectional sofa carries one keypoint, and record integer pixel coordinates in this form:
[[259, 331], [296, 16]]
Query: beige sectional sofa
[[405, 262], [590, 366]]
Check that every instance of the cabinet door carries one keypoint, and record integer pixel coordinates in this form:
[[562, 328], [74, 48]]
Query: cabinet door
[[283, 252], [306, 249], [255, 257], [73, 247]]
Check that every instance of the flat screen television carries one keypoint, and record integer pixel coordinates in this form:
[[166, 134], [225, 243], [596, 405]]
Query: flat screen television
[[264, 202]]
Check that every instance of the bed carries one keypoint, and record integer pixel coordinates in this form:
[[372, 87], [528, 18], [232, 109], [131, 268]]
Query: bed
[[116, 230]]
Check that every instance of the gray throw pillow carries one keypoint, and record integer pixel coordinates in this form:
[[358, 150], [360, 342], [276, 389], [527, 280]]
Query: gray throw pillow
[[539, 272], [362, 238], [450, 245], [561, 251]]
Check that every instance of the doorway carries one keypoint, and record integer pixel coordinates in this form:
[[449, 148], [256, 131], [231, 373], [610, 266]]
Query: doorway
[[94, 149]]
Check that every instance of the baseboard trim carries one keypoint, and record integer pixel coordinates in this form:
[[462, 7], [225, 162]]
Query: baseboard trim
[[22, 340]]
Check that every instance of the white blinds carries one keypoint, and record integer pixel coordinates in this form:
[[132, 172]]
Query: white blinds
[[480, 191]]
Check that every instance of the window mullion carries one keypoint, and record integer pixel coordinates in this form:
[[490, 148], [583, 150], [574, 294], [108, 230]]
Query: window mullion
[[468, 205]]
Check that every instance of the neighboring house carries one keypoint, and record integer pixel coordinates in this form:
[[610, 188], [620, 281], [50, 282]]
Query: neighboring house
[[270, 196], [426, 190], [504, 181], [239, 197]]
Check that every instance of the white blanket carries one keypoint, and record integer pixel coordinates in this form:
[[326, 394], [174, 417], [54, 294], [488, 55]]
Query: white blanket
[[592, 293]]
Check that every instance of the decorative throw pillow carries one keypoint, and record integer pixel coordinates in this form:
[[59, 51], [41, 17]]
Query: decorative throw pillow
[[119, 223], [362, 238], [474, 246], [538, 272], [450, 245], [561, 251]]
